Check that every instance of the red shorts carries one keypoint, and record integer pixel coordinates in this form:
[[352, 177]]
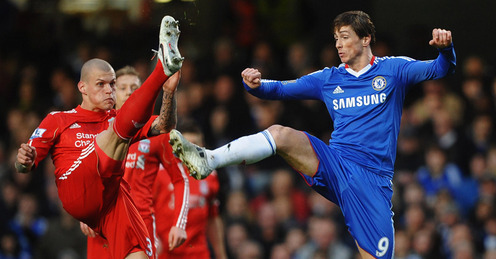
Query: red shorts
[[166, 254], [100, 248], [97, 248], [93, 192]]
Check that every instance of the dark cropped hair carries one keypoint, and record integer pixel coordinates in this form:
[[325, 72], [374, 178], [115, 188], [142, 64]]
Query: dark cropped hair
[[359, 21]]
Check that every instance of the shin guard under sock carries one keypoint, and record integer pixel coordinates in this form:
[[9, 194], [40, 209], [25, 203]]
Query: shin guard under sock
[[138, 109]]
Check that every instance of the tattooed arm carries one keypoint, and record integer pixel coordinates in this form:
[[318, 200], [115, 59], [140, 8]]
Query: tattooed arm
[[167, 118], [168, 113]]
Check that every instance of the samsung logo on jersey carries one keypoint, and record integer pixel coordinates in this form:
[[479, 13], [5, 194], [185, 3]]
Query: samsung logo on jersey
[[358, 101]]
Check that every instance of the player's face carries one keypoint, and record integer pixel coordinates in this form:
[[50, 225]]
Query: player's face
[[349, 45], [125, 85], [100, 91]]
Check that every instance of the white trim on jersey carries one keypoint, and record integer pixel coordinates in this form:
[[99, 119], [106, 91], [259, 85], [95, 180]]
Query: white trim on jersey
[[359, 73], [155, 237], [396, 57], [183, 215], [84, 153]]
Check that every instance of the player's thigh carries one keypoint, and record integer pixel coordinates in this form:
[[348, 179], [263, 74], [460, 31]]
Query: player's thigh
[[97, 248], [80, 188], [112, 145], [366, 205], [294, 146], [364, 254], [137, 255], [125, 230]]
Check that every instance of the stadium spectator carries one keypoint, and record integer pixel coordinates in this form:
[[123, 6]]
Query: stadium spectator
[[282, 188], [62, 238], [324, 240], [439, 174]]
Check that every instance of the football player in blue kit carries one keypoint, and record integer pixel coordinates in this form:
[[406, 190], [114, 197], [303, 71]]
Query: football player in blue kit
[[364, 96]]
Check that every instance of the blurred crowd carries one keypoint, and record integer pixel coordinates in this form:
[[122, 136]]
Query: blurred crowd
[[445, 176]]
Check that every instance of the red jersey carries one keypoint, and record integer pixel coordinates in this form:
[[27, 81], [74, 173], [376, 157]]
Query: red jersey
[[88, 181], [203, 204], [65, 134], [142, 165]]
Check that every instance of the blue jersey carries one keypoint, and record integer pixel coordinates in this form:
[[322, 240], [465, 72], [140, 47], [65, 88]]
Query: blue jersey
[[365, 106]]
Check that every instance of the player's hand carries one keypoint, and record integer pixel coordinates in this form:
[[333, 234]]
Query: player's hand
[[177, 236], [26, 155], [441, 38], [172, 82], [252, 77], [160, 246], [87, 231]]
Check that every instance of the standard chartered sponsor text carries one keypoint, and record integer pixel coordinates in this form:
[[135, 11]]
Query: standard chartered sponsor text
[[83, 139]]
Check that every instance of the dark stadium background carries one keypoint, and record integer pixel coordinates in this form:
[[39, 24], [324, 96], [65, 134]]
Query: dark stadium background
[[40, 38]]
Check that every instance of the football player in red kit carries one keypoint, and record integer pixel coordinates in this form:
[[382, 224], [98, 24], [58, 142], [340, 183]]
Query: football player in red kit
[[204, 222], [89, 144], [143, 161]]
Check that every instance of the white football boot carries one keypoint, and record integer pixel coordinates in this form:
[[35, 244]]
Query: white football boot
[[193, 156], [168, 53]]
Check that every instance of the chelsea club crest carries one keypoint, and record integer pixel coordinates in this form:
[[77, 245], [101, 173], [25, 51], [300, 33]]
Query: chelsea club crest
[[379, 83]]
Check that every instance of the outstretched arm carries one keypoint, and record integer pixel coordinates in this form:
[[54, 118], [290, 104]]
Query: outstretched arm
[[416, 71], [168, 116], [179, 178], [306, 87], [177, 233]]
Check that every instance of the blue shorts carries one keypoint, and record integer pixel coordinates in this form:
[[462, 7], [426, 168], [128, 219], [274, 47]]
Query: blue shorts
[[363, 196]]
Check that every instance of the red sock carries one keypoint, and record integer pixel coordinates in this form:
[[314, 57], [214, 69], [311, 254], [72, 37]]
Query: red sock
[[138, 109]]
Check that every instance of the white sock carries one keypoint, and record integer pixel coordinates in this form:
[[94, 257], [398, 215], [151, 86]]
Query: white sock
[[248, 149]]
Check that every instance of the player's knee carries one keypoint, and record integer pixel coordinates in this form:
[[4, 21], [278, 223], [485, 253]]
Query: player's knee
[[112, 144], [277, 132], [280, 134]]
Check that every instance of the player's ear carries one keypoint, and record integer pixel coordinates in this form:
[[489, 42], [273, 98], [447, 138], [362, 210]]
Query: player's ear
[[366, 40], [82, 87]]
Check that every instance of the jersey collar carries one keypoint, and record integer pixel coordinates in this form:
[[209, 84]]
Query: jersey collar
[[94, 116], [362, 71]]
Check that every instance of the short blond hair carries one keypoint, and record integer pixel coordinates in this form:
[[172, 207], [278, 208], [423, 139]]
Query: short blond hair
[[127, 70]]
